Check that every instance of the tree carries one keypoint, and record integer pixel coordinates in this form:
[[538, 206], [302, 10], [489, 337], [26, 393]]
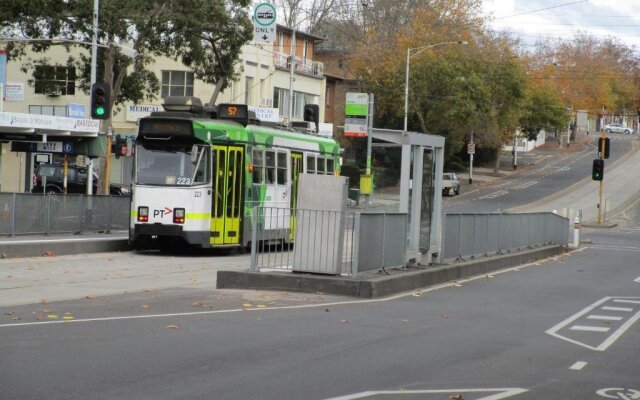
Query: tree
[[205, 35]]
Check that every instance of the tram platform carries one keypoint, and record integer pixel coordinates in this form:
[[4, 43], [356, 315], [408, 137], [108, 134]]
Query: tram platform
[[61, 244]]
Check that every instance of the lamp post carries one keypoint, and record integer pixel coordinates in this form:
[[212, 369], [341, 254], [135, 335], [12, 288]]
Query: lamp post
[[416, 51]]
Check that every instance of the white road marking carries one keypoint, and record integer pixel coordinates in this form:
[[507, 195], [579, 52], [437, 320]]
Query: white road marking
[[340, 303], [589, 328], [505, 393], [525, 185], [610, 339], [604, 317], [626, 301], [622, 309], [578, 365], [637, 280], [628, 248], [494, 194]]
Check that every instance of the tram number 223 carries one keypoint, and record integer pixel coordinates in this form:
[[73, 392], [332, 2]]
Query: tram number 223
[[183, 181]]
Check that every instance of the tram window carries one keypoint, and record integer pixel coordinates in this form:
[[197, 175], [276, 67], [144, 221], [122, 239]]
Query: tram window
[[330, 166], [320, 163], [282, 168], [271, 166], [258, 166], [311, 164]]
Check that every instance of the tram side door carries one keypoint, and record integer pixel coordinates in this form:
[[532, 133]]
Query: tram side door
[[296, 170], [227, 197]]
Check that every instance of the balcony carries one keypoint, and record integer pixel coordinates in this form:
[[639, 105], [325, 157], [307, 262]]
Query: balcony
[[302, 66]]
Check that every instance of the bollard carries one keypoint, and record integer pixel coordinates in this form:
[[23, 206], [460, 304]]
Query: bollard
[[576, 231]]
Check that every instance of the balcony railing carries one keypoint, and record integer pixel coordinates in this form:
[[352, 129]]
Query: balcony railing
[[303, 66]]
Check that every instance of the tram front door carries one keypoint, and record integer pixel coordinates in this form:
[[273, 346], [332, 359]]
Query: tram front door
[[227, 195]]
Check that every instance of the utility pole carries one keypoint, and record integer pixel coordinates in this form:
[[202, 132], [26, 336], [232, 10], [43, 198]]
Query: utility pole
[[94, 78], [600, 186], [471, 150], [515, 151], [291, 73]]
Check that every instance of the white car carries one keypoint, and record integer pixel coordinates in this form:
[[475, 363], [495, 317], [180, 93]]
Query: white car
[[618, 128]]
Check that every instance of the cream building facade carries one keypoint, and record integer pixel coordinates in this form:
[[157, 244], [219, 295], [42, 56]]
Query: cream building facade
[[264, 81]]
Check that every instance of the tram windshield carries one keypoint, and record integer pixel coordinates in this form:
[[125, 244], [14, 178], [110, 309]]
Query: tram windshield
[[178, 165]]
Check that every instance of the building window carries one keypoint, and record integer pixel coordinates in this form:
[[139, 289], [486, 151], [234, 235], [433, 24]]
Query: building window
[[305, 49], [281, 41], [58, 111], [177, 83], [54, 80], [248, 90]]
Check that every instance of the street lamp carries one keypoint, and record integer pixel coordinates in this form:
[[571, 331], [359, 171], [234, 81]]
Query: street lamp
[[416, 51]]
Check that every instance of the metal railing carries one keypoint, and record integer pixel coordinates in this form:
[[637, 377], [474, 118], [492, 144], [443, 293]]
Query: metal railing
[[44, 214], [326, 242], [471, 235]]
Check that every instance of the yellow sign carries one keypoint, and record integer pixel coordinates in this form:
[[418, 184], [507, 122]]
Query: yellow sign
[[366, 184]]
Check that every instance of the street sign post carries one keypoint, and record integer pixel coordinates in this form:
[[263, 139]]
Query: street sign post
[[264, 23], [356, 110]]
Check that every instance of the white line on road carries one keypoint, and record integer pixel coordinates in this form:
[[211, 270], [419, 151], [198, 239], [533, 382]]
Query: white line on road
[[505, 393], [626, 301], [604, 317], [338, 303], [578, 365], [589, 328], [622, 309], [637, 280], [609, 341]]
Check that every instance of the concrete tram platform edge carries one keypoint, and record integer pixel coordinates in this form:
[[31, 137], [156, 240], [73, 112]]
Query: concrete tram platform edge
[[39, 246], [378, 283]]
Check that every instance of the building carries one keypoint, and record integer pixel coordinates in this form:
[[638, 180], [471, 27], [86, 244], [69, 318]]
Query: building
[[265, 78]]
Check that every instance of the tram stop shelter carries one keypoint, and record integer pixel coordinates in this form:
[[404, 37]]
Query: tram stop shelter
[[420, 189]]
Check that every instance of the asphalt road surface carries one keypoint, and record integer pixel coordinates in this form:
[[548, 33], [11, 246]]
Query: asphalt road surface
[[542, 173], [565, 328]]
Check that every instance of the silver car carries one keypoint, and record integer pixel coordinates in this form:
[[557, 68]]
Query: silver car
[[618, 128]]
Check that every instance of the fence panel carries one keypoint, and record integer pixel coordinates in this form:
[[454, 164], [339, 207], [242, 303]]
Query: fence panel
[[471, 235], [39, 214]]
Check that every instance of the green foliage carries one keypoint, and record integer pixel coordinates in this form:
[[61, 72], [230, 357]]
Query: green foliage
[[542, 110], [204, 35]]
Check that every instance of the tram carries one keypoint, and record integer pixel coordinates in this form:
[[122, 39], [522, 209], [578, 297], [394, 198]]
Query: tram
[[198, 174]]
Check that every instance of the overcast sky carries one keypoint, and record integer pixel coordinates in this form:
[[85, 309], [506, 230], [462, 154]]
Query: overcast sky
[[532, 19]]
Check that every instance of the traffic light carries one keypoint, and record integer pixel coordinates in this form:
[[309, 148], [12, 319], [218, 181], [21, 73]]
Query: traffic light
[[604, 142], [100, 101], [597, 172], [312, 114]]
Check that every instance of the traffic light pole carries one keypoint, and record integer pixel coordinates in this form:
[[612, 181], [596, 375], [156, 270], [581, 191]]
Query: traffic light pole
[[602, 153], [107, 161]]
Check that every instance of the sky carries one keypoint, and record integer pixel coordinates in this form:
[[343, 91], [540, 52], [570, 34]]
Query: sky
[[535, 19]]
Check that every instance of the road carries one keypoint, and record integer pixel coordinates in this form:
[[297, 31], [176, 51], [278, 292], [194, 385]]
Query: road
[[545, 173], [145, 326], [563, 328]]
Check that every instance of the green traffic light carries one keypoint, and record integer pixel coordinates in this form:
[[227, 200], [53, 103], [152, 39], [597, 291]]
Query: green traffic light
[[100, 111]]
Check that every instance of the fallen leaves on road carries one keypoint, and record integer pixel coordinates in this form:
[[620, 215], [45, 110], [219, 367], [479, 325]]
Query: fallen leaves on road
[[145, 306], [44, 301], [90, 297], [197, 304], [343, 321], [444, 316], [173, 326], [49, 253], [456, 397]]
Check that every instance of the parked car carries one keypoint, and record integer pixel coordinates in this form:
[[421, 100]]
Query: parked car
[[450, 184], [618, 128], [49, 179]]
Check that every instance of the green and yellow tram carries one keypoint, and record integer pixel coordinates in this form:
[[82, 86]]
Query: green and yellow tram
[[199, 173]]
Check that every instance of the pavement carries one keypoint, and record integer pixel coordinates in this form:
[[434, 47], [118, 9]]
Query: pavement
[[371, 284]]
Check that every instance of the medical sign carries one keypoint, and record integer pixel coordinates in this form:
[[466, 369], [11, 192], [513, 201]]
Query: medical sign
[[264, 23]]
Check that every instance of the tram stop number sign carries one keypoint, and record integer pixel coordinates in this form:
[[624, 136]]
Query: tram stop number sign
[[264, 23]]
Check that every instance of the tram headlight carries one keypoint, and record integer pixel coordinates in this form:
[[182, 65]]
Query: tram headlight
[[143, 214], [178, 215]]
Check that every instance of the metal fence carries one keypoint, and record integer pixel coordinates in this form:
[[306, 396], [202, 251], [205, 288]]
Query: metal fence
[[43, 214], [471, 235], [327, 242]]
